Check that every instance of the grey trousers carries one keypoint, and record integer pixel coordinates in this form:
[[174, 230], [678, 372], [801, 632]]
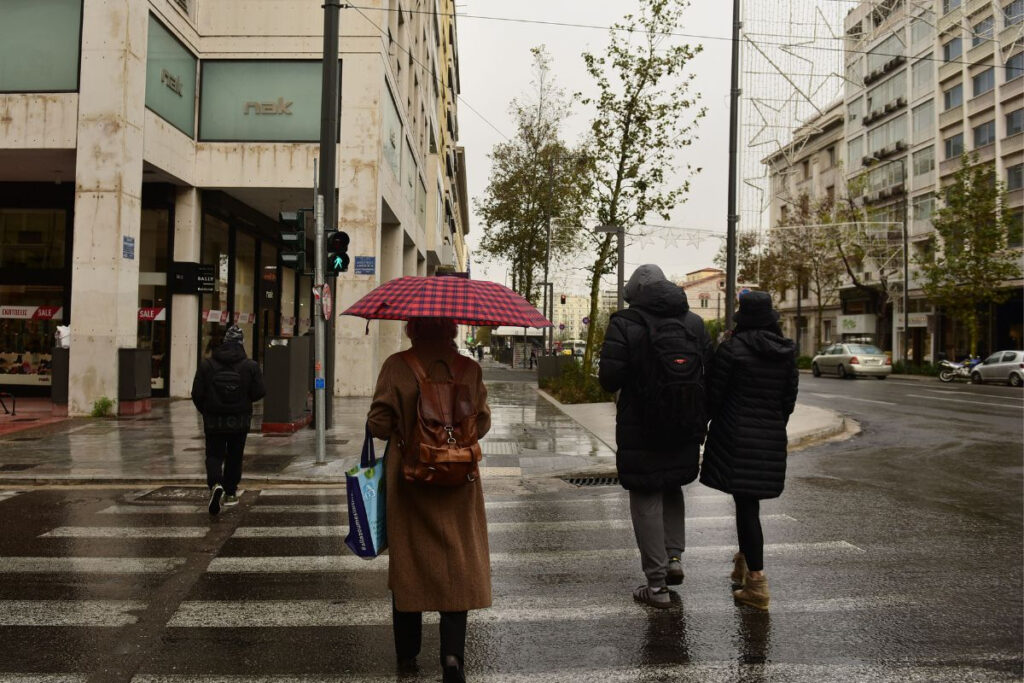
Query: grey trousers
[[660, 527]]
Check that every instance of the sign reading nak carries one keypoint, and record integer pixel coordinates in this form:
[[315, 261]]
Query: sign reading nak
[[269, 108]]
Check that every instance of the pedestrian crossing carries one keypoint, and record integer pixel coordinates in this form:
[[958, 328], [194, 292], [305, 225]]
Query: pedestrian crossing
[[270, 579]]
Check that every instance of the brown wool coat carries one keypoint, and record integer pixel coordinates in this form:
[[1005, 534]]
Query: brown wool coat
[[437, 536]]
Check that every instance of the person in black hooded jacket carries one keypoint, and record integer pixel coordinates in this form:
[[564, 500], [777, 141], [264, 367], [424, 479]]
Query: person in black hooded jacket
[[224, 388], [753, 392], [651, 467]]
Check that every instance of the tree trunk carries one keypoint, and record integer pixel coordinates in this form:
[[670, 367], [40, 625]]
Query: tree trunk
[[595, 299]]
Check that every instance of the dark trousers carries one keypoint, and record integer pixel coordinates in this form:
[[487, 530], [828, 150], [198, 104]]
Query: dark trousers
[[224, 460], [748, 531], [408, 628]]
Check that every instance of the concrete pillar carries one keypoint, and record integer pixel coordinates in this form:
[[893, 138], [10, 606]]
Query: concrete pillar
[[108, 188], [357, 357], [185, 307], [391, 265]]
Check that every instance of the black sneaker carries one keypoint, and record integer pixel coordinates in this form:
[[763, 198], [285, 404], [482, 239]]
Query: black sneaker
[[215, 495], [674, 577]]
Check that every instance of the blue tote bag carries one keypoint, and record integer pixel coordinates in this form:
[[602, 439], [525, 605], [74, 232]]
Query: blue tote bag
[[367, 523]]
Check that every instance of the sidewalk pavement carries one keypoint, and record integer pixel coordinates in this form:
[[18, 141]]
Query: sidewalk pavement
[[533, 437]]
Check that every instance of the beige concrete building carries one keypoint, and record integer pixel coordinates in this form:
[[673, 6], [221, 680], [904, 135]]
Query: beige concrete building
[[812, 165], [705, 292], [569, 312], [147, 148]]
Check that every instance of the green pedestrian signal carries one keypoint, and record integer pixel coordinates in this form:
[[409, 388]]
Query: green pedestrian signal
[[293, 255], [337, 252]]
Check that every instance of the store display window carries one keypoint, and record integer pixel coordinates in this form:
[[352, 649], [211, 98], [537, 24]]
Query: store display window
[[29, 316], [154, 299], [215, 306]]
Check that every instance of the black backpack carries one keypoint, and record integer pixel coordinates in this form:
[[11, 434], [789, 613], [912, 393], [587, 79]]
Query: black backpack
[[228, 395], [671, 386]]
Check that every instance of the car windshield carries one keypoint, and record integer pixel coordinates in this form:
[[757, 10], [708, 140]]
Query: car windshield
[[866, 349]]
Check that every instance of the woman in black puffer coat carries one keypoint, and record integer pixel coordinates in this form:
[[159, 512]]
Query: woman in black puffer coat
[[752, 394]]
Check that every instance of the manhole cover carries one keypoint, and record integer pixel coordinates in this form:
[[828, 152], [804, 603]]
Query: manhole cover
[[194, 448], [336, 442], [147, 419], [176, 493], [592, 481], [16, 467], [500, 447], [26, 438]]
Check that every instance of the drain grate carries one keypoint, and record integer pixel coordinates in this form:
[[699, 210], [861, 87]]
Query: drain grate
[[16, 467], [592, 481], [176, 493], [336, 442]]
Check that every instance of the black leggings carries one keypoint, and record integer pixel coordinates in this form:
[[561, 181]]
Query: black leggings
[[408, 629], [748, 531]]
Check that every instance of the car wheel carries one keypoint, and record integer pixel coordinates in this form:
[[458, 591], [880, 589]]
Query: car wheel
[[841, 371], [1015, 380], [976, 378], [815, 370]]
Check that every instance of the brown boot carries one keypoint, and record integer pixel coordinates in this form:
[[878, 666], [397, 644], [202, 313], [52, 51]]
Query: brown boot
[[739, 570], [754, 593]]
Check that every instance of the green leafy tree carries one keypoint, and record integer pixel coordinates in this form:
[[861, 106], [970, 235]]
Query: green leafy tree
[[757, 264], [646, 115], [535, 178], [971, 263]]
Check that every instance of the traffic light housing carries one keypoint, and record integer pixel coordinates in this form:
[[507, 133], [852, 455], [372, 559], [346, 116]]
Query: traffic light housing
[[337, 252], [293, 255], [563, 299]]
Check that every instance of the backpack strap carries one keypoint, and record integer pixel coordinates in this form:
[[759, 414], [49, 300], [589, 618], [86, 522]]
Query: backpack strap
[[409, 356]]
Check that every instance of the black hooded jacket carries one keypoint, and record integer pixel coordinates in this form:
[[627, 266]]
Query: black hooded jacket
[[753, 392], [642, 465], [252, 388]]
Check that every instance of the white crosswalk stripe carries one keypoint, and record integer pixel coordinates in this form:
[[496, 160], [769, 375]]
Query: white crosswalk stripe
[[89, 565], [126, 532], [69, 612], [4, 495]]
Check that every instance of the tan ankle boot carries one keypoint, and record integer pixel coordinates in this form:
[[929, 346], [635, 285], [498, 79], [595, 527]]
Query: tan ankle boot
[[754, 593], [739, 570]]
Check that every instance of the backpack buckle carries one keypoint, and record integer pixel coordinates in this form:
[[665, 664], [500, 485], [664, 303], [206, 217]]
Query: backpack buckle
[[451, 436]]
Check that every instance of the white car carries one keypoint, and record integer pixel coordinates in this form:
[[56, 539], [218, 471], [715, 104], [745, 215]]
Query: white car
[[1001, 366], [852, 360]]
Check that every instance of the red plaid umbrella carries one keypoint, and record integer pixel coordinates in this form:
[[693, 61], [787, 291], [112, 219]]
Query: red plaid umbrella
[[467, 302]]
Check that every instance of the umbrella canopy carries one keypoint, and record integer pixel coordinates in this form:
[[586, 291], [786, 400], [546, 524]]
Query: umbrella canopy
[[467, 302]]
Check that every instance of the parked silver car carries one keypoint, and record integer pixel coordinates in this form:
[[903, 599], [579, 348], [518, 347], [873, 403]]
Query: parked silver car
[[852, 360], [1001, 366]]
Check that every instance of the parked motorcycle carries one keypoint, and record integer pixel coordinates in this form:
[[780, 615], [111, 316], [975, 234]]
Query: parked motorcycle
[[949, 370]]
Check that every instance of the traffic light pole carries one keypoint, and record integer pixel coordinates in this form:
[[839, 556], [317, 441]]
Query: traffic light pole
[[319, 382]]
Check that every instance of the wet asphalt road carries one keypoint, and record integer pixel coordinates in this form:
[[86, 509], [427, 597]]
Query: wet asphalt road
[[893, 555]]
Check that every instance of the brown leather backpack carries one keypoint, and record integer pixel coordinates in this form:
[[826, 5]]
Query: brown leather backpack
[[443, 449]]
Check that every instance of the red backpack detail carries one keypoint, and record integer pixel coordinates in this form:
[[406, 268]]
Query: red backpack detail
[[443, 448]]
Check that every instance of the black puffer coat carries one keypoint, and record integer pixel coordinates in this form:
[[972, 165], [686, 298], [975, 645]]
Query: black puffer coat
[[753, 392], [252, 388], [641, 466]]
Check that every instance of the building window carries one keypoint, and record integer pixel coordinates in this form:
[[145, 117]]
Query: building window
[[952, 50], [923, 75], [1015, 233], [953, 97], [806, 169], [1015, 66], [924, 121], [984, 81], [949, 5], [853, 109], [831, 156], [954, 146], [922, 29], [888, 92], [888, 134], [1013, 13], [982, 31], [923, 207], [924, 161], [1015, 177], [985, 134], [1015, 122], [885, 51], [855, 150]]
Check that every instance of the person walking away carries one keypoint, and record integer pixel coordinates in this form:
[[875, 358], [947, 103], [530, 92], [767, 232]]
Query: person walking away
[[533, 356], [753, 391], [480, 353], [439, 559], [656, 355], [224, 388]]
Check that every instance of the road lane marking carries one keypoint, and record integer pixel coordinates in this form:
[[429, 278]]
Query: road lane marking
[[303, 492], [43, 678], [854, 398], [126, 532], [91, 613], [711, 671], [972, 393], [4, 495], [505, 609], [150, 509], [332, 531], [557, 560], [960, 400], [89, 565]]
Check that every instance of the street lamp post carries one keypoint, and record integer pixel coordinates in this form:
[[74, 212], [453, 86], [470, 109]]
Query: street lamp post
[[620, 233]]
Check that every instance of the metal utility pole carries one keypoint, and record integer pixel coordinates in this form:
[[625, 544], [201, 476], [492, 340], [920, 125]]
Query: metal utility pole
[[620, 233], [319, 324], [549, 293], [906, 267], [733, 217], [328, 168]]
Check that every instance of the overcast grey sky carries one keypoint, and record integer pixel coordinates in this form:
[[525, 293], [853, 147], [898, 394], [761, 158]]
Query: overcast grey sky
[[495, 67]]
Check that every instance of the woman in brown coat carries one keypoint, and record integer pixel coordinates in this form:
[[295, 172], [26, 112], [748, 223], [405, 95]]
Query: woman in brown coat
[[437, 536]]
